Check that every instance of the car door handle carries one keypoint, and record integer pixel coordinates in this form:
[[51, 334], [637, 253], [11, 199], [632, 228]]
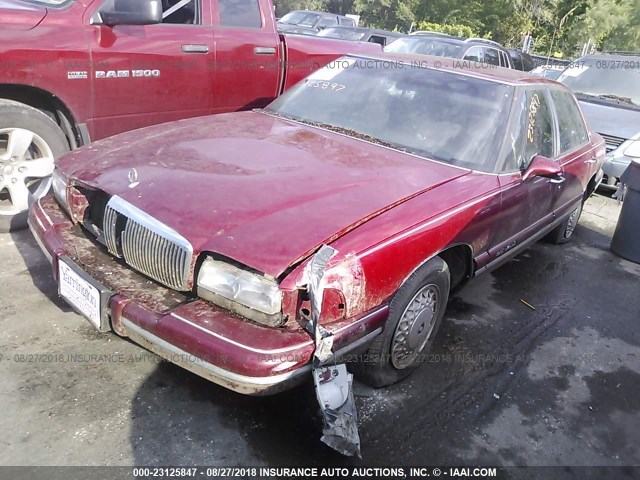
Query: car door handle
[[191, 48], [264, 50], [591, 160], [560, 179]]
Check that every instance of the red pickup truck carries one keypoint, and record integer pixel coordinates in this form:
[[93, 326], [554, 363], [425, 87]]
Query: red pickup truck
[[73, 71]]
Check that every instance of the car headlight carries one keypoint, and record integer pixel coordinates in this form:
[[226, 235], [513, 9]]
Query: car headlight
[[249, 294], [59, 181], [633, 150]]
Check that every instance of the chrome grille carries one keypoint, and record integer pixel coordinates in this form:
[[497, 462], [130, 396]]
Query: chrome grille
[[612, 142], [147, 245]]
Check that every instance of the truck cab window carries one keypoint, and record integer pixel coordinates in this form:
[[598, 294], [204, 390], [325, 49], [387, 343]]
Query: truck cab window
[[185, 12], [240, 13]]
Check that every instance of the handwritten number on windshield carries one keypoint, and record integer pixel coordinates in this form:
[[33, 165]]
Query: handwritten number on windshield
[[324, 85]]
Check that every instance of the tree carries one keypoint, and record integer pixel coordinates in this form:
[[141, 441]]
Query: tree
[[389, 14]]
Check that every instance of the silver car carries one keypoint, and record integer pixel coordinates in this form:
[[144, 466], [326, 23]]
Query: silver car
[[608, 87]]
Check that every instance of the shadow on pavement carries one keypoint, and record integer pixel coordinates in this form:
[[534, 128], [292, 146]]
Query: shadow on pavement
[[504, 384]]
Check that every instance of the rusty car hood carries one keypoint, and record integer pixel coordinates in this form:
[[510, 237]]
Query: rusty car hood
[[261, 190]]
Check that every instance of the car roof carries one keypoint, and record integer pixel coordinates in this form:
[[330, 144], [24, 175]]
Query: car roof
[[319, 13], [622, 56], [457, 65], [445, 38], [365, 29]]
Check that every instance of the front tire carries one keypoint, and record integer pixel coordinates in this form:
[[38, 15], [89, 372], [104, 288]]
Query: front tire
[[415, 314], [29, 143]]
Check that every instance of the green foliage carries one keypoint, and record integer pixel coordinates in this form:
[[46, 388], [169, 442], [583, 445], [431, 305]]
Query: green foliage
[[456, 30], [558, 26], [388, 14]]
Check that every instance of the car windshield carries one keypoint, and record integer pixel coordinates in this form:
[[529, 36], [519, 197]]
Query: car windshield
[[450, 117], [424, 46], [342, 33], [304, 19], [615, 80]]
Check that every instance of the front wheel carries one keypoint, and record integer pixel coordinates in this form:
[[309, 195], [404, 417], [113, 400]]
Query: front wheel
[[29, 142], [415, 314]]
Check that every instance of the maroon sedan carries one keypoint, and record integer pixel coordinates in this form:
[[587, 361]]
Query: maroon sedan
[[192, 237]]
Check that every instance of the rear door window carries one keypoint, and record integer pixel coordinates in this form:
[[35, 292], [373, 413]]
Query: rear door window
[[378, 39], [240, 13], [572, 130], [491, 56], [474, 54], [327, 22]]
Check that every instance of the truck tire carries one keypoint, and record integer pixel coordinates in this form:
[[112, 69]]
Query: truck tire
[[29, 143], [415, 314]]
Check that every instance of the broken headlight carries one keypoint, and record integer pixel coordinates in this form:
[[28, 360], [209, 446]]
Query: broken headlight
[[249, 294], [59, 183]]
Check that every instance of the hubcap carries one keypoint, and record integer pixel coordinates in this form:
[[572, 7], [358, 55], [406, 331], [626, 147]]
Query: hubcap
[[415, 327], [571, 224], [26, 165]]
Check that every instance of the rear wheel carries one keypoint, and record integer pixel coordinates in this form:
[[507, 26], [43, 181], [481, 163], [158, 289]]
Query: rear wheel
[[29, 142], [415, 314], [563, 232]]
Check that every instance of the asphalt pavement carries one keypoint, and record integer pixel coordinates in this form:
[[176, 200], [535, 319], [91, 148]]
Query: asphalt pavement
[[536, 363]]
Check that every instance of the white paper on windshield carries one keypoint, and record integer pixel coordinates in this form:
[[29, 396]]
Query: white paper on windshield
[[332, 69], [575, 71]]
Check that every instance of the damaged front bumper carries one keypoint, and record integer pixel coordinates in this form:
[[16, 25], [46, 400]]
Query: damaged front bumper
[[193, 333]]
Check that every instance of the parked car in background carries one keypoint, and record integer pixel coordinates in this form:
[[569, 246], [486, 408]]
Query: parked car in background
[[76, 71], [608, 87], [521, 60], [552, 72], [361, 34], [420, 178], [440, 45], [310, 23], [429, 32]]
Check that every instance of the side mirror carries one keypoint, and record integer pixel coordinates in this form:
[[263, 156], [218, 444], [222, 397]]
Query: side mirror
[[541, 166], [129, 12]]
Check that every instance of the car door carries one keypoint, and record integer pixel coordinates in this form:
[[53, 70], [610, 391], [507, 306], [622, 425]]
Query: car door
[[527, 205], [248, 55], [148, 74], [576, 154]]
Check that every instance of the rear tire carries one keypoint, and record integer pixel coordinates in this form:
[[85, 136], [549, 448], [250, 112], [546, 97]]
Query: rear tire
[[563, 232], [29, 143], [415, 314]]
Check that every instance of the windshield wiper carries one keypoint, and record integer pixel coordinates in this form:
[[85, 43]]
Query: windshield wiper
[[617, 97], [365, 137], [607, 96]]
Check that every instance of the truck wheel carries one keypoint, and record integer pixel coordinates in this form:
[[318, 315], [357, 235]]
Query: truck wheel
[[29, 142], [563, 232], [415, 314]]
